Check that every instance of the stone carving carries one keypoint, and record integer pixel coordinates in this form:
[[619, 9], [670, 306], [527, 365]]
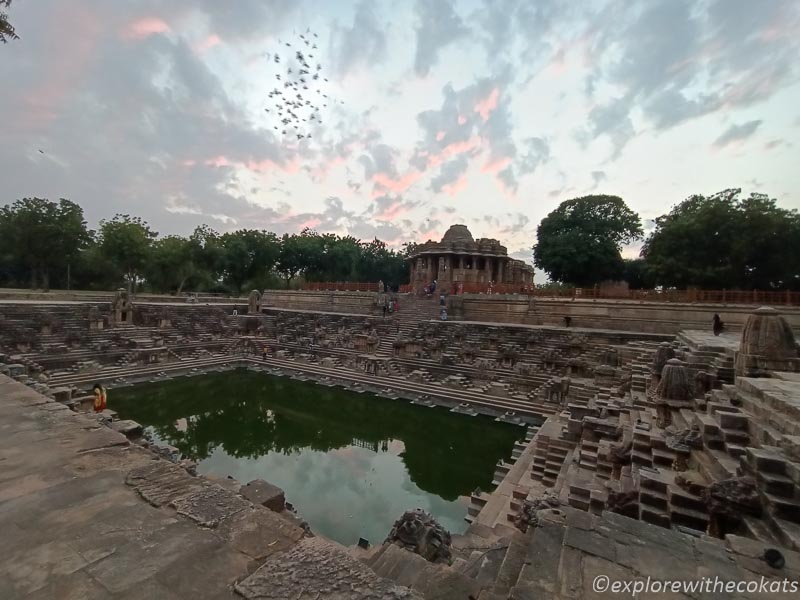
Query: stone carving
[[254, 302], [730, 500], [95, 318], [122, 307], [531, 511], [673, 391], [419, 532], [767, 344]]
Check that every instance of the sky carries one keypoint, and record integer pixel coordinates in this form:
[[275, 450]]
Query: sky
[[483, 112]]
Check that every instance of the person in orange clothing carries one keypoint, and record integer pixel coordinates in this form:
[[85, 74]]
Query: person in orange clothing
[[99, 397]]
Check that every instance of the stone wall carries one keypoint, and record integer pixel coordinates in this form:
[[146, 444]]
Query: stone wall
[[357, 303], [624, 315], [12, 294]]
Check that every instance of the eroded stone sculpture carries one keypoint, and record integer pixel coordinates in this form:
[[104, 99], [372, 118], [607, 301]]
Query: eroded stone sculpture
[[674, 391], [420, 533], [767, 344]]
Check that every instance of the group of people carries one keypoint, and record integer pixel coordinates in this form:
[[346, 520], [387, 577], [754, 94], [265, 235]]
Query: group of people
[[390, 306]]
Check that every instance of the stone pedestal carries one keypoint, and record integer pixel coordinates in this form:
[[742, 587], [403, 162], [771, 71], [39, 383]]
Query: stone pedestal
[[264, 494]]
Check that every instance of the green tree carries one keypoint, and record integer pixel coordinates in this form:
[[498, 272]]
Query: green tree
[[171, 264], [298, 254], [42, 238], [249, 257], [6, 29], [126, 243], [723, 241], [579, 242], [635, 274]]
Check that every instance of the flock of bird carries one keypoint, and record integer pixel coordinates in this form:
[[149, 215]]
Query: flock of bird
[[297, 101]]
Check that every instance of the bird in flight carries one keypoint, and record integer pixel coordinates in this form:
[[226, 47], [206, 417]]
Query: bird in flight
[[296, 113]]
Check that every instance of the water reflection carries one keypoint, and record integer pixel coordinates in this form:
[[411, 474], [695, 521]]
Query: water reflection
[[351, 463]]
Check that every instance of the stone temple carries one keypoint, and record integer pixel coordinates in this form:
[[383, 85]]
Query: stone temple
[[460, 259], [651, 450]]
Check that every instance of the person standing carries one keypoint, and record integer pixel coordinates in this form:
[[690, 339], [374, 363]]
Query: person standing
[[718, 325], [99, 397]]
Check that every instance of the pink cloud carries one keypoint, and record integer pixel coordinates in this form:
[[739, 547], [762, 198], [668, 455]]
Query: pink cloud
[[208, 42], [145, 27], [457, 186], [496, 166], [189, 163], [462, 119], [485, 107], [558, 64], [440, 136], [310, 223], [396, 185], [393, 211], [217, 161], [261, 166], [453, 149]]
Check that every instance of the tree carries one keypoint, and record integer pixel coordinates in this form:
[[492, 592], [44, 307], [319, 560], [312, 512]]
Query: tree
[[126, 243], [726, 242], [6, 29], [635, 274], [171, 264], [249, 257], [42, 238], [580, 241], [298, 254]]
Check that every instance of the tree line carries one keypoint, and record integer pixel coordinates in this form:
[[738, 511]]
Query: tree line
[[722, 241], [46, 244]]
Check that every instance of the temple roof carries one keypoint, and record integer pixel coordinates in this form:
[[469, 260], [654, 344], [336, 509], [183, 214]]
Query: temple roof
[[459, 240], [457, 233]]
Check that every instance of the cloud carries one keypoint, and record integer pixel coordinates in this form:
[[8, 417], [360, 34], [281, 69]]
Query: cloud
[[537, 153], [363, 43], [519, 224], [145, 27], [676, 61], [449, 173], [597, 178], [737, 133], [390, 208], [439, 25]]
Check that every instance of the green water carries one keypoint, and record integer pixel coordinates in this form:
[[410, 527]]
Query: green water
[[350, 463]]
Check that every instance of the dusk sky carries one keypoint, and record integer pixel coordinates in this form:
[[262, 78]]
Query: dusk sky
[[488, 113]]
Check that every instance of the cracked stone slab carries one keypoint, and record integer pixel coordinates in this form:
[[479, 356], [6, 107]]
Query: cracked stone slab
[[160, 482], [318, 569], [210, 505], [99, 439]]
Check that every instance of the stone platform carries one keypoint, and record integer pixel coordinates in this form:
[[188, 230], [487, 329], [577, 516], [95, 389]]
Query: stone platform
[[85, 514]]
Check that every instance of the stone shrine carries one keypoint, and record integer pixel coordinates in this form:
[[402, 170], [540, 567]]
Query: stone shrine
[[458, 258]]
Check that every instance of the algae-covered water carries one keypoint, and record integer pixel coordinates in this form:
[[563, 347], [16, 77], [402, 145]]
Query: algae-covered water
[[350, 463]]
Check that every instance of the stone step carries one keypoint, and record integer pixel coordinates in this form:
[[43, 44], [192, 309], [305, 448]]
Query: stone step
[[540, 570], [775, 484], [512, 564]]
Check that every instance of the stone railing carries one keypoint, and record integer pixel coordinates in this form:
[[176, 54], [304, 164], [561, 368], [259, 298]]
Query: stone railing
[[340, 286], [691, 296]]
